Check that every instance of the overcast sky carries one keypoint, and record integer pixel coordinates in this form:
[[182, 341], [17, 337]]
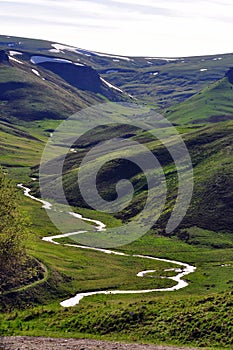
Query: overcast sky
[[127, 27]]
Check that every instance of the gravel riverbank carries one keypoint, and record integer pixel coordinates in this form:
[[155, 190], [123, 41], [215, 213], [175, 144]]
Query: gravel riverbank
[[39, 343]]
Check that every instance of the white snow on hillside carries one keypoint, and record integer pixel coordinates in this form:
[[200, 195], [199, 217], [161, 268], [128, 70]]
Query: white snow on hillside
[[15, 60], [58, 48], [62, 48], [41, 59], [163, 59], [36, 72], [79, 64], [14, 53], [112, 71], [54, 51], [110, 85], [112, 56]]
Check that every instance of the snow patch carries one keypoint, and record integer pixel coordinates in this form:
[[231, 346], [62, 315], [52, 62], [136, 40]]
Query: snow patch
[[54, 51], [36, 72], [113, 56], [110, 85], [15, 60], [14, 53], [217, 58], [163, 59], [112, 71], [41, 59], [203, 70], [57, 48], [60, 48], [79, 64]]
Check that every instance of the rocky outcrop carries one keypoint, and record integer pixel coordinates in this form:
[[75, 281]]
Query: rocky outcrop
[[4, 57], [81, 76], [229, 75]]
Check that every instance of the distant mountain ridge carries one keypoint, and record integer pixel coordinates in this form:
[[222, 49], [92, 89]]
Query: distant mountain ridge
[[160, 81]]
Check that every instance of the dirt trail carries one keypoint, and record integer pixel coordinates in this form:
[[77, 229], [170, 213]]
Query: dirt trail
[[39, 343]]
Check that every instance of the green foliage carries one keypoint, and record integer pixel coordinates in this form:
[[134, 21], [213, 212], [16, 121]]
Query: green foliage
[[200, 321], [13, 234]]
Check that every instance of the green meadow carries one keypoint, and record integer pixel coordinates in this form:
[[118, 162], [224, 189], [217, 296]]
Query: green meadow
[[199, 104]]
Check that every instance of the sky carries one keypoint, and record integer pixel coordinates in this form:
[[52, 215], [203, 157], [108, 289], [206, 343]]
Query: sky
[[153, 28]]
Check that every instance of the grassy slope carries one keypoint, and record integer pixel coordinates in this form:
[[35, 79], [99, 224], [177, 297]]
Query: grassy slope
[[204, 322], [195, 315], [18, 148], [210, 148], [184, 317], [214, 103], [26, 97]]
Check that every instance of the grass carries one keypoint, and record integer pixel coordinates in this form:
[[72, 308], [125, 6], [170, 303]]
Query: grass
[[211, 104], [36, 311], [200, 321], [199, 315]]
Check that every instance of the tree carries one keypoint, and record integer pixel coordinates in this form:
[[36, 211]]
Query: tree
[[13, 235]]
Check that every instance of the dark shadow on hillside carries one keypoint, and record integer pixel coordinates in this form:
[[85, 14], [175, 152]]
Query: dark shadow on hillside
[[9, 86]]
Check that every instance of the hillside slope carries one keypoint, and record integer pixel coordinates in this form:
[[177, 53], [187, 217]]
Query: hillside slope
[[213, 104], [210, 148], [29, 94], [159, 81]]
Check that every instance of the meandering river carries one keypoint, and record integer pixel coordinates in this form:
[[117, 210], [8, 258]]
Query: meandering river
[[182, 269]]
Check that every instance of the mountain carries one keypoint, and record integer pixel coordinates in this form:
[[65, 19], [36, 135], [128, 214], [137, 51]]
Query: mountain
[[158, 81]]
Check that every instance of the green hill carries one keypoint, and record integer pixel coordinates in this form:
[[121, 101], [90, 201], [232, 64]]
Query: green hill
[[29, 94], [213, 104], [34, 99], [210, 148]]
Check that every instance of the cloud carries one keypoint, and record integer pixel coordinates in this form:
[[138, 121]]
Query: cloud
[[130, 27]]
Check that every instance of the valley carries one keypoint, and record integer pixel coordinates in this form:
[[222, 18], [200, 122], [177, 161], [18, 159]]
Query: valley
[[183, 269], [43, 83]]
